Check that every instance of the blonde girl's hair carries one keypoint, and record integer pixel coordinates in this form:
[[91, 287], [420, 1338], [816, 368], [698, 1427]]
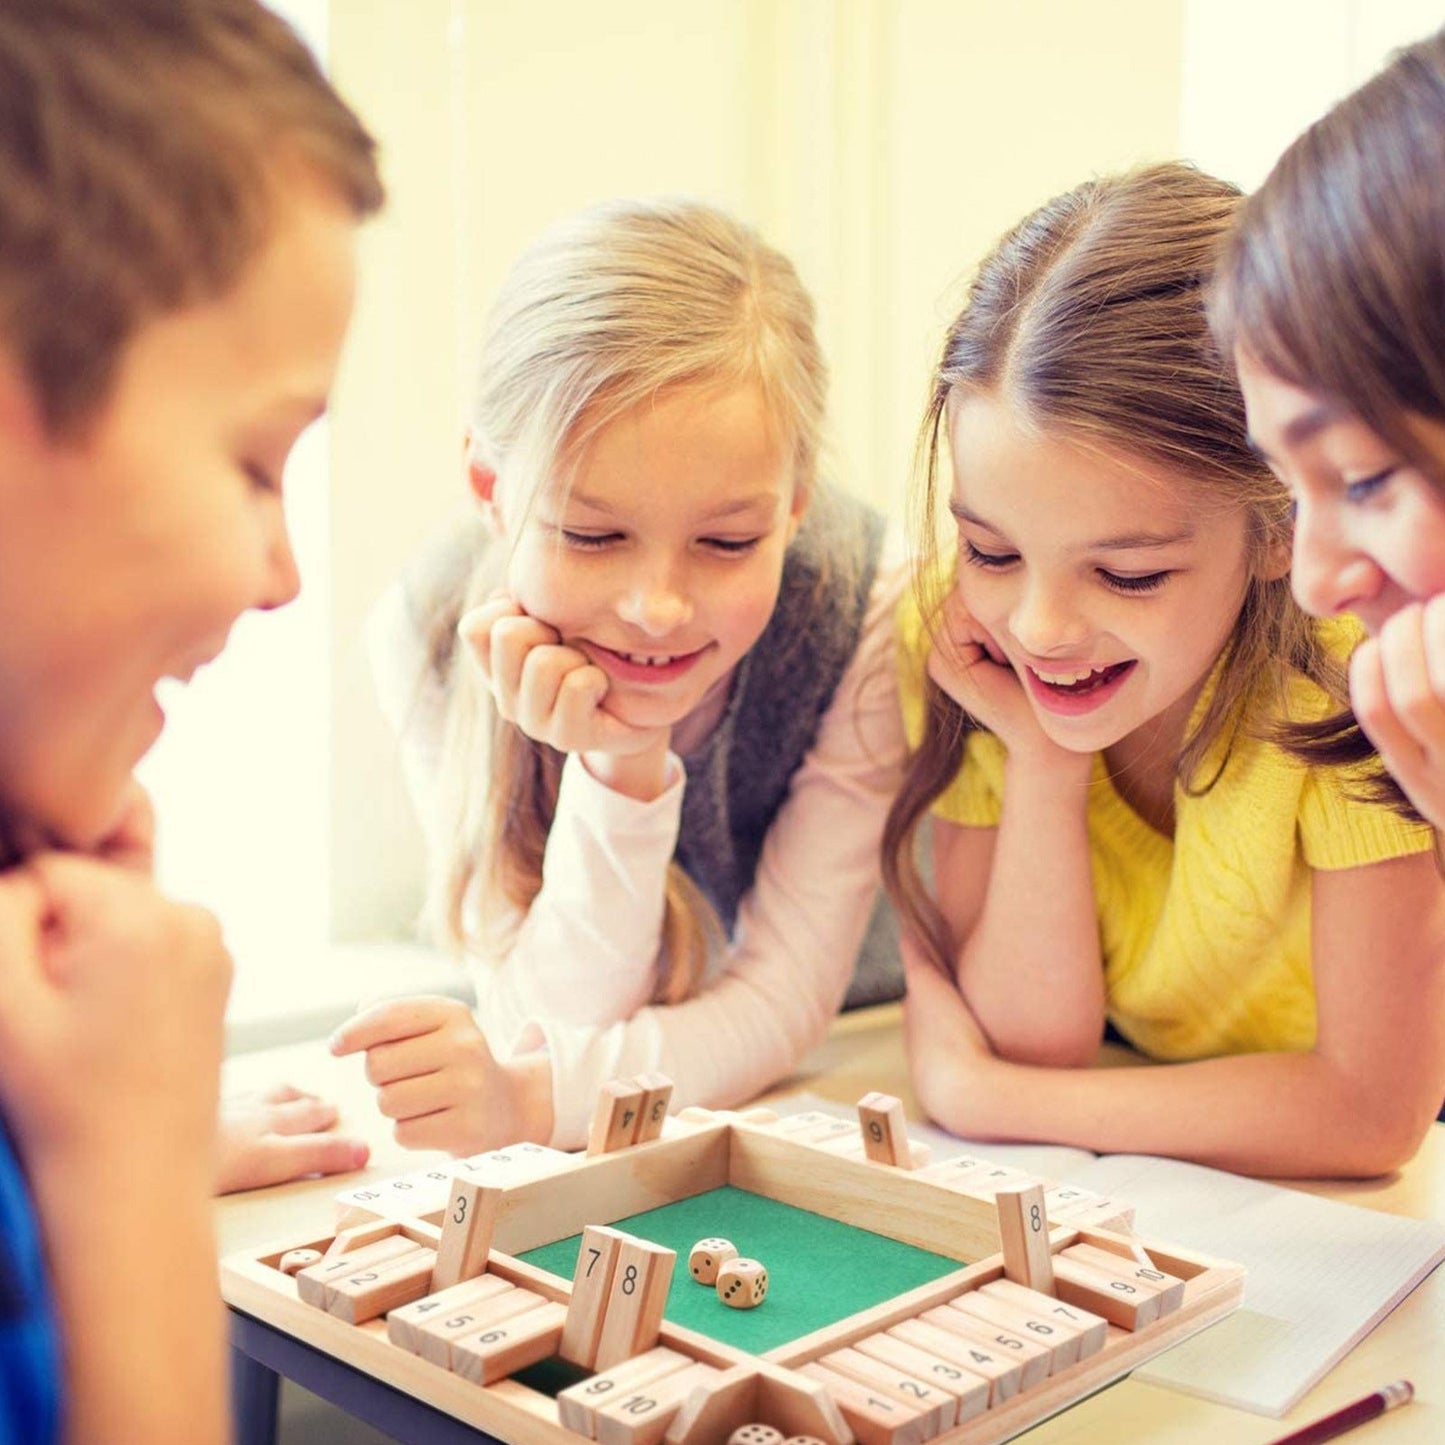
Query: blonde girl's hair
[[1088, 319], [604, 312]]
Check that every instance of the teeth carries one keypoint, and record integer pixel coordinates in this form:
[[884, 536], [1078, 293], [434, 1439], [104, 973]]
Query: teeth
[[646, 661], [1066, 679]]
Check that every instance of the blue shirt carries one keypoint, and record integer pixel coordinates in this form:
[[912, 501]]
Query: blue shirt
[[29, 1332]]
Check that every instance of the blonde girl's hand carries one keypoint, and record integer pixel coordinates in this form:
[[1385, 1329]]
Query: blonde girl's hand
[[111, 1006], [553, 692], [437, 1079], [1397, 689], [970, 667]]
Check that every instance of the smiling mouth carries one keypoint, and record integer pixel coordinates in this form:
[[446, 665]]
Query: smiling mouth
[[1079, 683]]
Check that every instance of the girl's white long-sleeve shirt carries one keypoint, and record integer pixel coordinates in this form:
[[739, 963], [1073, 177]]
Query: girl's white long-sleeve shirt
[[583, 964]]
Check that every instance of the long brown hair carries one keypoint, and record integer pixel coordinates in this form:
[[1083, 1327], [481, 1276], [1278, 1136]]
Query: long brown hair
[[1088, 319], [602, 313], [1334, 280]]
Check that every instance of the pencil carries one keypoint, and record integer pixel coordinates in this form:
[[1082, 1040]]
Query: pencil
[[1326, 1428]]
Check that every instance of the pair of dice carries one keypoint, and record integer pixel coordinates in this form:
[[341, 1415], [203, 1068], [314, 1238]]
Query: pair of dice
[[741, 1283]]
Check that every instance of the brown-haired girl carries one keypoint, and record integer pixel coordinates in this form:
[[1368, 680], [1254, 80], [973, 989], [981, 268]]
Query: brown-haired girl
[[657, 765], [1331, 297], [1116, 669]]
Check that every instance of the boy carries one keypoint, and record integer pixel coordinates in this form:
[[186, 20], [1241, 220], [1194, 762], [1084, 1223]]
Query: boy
[[179, 192]]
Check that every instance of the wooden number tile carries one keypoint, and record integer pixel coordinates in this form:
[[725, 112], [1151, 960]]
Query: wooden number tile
[[440, 1337], [348, 1241], [313, 1282], [846, 1143], [501, 1347], [641, 1415], [940, 1405], [1073, 1205], [468, 1220], [1024, 1227], [591, 1285], [516, 1164], [614, 1120], [968, 1174], [656, 1096], [1169, 1289], [885, 1130], [825, 1128], [1121, 1301], [1035, 1310], [941, 1332], [578, 1404], [875, 1418], [375, 1288], [1062, 1345], [406, 1325], [969, 1391], [632, 1314], [803, 1123], [1033, 1357]]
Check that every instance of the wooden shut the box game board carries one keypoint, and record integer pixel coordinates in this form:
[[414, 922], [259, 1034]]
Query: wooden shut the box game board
[[716, 1277]]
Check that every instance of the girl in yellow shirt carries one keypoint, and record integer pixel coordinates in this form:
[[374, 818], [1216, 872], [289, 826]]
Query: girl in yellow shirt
[[1113, 735]]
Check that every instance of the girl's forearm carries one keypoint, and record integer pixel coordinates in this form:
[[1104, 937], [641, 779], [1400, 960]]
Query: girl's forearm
[[1031, 968], [1285, 1115]]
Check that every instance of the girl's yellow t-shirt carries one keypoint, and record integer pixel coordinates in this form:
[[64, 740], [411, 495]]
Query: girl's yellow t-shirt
[[1205, 936]]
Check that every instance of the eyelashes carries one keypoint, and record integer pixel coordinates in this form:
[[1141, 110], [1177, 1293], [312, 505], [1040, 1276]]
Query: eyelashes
[[1001, 561]]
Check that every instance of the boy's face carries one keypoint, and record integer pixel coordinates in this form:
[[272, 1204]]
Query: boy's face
[[127, 553]]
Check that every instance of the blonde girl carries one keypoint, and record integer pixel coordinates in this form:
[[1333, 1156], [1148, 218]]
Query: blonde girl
[[1331, 299], [1117, 672], [656, 765]]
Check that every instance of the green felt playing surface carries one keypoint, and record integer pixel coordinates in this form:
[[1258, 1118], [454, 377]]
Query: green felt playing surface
[[819, 1270]]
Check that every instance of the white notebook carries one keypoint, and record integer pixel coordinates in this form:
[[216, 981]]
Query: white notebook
[[1320, 1274]]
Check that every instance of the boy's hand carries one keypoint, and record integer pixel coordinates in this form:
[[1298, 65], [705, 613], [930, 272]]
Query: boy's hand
[[436, 1077], [278, 1134], [111, 1006], [1397, 689]]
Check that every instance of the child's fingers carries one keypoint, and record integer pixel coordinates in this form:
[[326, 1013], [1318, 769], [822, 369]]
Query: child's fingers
[[388, 1022], [544, 673], [513, 641], [1370, 698], [575, 717], [1406, 663], [475, 629], [304, 1115], [414, 1098], [298, 1155]]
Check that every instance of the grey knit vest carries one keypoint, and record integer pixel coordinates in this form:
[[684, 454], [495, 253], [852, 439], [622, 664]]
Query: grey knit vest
[[738, 779]]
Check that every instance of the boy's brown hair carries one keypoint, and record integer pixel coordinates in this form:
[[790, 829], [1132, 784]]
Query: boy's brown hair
[[139, 147]]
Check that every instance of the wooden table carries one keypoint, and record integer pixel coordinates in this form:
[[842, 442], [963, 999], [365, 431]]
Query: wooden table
[[862, 1053]]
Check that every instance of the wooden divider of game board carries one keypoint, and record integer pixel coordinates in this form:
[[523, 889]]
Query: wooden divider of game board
[[1015, 1335]]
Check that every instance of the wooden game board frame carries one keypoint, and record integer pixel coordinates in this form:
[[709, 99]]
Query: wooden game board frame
[[698, 1152]]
